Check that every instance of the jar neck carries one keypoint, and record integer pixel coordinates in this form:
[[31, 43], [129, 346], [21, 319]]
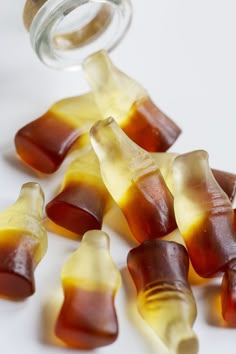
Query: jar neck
[[65, 32]]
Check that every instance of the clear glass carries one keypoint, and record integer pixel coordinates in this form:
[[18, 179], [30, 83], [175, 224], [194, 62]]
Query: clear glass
[[65, 32]]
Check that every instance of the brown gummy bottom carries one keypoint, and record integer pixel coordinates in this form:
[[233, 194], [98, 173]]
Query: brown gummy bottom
[[228, 297], [208, 252], [87, 319], [15, 286], [17, 269], [78, 208], [150, 128], [148, 208], [44, 142], [227, 181], [34, 156]]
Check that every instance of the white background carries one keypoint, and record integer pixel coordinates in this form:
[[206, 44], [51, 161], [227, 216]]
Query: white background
[[183, 52]]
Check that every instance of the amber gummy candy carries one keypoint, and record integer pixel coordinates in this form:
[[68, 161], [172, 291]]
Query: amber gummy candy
[[44, 143], [165, 161], [204, 214], [164, 298], [205, 218], [119, 96], [90, 281], [227, 181], [134, 181], [82, 201], [23, 242]]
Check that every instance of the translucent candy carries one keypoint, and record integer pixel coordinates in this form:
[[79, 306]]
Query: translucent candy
[[90, 281], [44, 143], [119, 96], [205, 218], [227, 181], [23, 242], [165, 301], [165, 161], [228, 294], [134, 181], [193, 277], [82, 201], [204, 214]]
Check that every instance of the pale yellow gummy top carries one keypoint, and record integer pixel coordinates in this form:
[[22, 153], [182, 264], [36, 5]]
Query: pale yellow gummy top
[[114, 91], [25, 216], [91, 267], [196, 192], [122, 162]]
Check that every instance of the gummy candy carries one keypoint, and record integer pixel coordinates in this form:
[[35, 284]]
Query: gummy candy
[[205, 217], [204, 214], [159, 269], [228, 294], [122, 98], [193, 277], [44, 143], [165, 161], [227, 181], [134, 181], [23, 242], [82, 201], [90, 280]]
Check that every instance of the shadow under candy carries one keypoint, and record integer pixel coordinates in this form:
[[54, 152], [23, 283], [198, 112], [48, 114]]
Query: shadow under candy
[[10, 157]]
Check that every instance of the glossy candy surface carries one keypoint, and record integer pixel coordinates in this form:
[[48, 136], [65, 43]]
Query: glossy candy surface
[[119, 96], [82, 201], [228, 294], [165, 301], [165, 161], [90, 281], [227, 181], [23, 242], [44, 143], [134, 181], [205, 218], [204, 214]]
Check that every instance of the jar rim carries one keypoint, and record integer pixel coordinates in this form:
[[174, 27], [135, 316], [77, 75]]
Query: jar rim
[[101, 26]]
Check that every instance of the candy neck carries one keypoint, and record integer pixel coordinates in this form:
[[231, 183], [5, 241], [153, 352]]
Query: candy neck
[[30, 200]]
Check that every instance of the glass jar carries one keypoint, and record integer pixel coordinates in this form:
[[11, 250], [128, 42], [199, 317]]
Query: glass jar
[[64, 32]]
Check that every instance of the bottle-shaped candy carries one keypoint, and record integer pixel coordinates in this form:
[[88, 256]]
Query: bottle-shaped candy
[[204, 214], [165, 161], [82, 201], [119, 96], [23, 242], [134, 181], [164, 299], [90, 280], [44, 143], [205, 218]]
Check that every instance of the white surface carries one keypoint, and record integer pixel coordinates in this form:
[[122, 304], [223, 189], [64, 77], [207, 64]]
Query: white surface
[[184, 54]]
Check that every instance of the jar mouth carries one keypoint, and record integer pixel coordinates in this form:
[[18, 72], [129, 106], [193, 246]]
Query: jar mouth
[[64, 33]]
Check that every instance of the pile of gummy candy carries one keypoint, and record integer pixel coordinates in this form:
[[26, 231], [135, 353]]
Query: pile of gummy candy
[[177, 208]]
